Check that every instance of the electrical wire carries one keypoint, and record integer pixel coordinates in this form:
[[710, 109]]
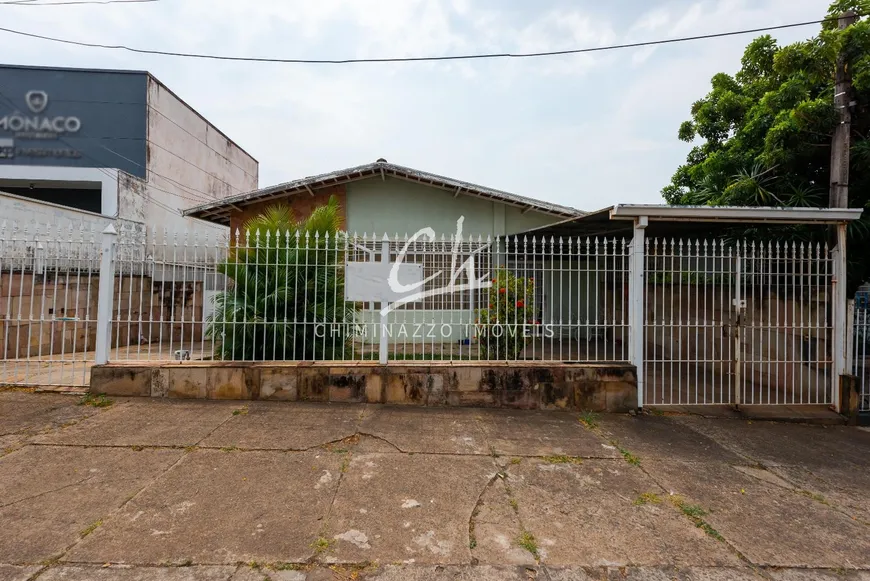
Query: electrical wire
[[73, 2], [414, 59]]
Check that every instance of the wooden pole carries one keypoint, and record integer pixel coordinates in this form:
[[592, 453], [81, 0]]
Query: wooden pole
[[839, 198]]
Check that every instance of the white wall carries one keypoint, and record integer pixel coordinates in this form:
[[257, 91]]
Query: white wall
[[56, 223], [189, 162]]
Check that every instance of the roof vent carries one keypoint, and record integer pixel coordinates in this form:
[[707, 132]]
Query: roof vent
[[381, 160]]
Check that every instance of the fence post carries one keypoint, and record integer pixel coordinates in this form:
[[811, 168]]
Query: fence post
[[383, 346], [106, 291], [839, 315], [637, 303]]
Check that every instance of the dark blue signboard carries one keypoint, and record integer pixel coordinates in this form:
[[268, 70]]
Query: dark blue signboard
[[73, 117]]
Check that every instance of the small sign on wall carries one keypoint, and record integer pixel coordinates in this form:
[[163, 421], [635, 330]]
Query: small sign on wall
[[369, 281]]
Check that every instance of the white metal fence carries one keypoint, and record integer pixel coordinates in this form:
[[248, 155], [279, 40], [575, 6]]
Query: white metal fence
[[281, 296], [723, 322], [861, 355]]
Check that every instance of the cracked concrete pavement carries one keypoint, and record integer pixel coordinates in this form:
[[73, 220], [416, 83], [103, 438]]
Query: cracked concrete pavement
[[235, 491]]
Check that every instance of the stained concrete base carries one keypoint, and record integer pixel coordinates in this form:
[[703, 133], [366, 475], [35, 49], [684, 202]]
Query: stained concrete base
[[509, 384], [244, 491]]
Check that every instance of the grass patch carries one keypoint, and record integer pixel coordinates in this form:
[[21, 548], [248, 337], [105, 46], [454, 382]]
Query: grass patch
[[288, 567], [816, 497], [321, 544], [91, 528], [514, 504], [629, 457], [589, 419], [647, 498], [516, 460], [528, 542], [96, 401], [241, 411], [562, 459], [692, 510], [696, 513], [345, 464], [352, 572], [229, 449]]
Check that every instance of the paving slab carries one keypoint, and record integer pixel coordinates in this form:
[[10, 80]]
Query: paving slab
[[28, 413], [118, 573], [817, 575], [217, 507], [679, 574], [497, 528], [427, 430], [587, 515], [287, 426], [149, 422], [542, 433], [769, 524], [397, 508], [774, 443], [844, 487], [450, 573], [17, 573], [664, 438], [52, 494]]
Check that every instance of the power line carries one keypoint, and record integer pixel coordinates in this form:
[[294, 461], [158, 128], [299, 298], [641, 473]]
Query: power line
[[73, 2], [413, 59]]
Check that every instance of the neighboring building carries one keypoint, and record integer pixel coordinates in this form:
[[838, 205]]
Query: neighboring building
[[81, 149], [117, 144], [382, 197]]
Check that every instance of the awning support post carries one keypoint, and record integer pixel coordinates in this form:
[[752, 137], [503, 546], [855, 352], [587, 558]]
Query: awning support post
[[637, 263], [839, 310]]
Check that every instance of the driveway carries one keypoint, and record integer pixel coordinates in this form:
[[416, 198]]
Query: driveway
[[233, 491]]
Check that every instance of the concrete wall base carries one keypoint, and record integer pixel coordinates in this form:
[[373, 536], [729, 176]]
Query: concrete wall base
[[521, 385]]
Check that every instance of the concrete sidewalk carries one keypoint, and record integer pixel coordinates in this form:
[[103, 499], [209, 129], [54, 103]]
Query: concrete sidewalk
[[154, 489]]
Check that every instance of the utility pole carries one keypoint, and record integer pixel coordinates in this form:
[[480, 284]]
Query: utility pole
[[839, 198], [839, 193]]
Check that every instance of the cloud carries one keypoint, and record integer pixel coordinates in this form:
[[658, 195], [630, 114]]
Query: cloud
[[582, 130]]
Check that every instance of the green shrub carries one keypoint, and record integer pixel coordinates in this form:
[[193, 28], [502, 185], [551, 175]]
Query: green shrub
[[506, 324], [284, 272]]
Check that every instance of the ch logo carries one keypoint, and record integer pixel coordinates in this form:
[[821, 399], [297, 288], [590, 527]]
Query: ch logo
[[37, 101]]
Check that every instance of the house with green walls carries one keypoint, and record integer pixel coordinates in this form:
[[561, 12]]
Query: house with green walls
[[384, 198]]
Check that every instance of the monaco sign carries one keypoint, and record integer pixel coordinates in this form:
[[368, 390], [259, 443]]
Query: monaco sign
[[37, 126]]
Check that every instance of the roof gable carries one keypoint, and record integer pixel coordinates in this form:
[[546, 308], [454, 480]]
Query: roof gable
[[219, 211]]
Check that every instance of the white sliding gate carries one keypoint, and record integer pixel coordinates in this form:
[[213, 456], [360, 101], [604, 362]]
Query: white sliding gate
[[737, 323]]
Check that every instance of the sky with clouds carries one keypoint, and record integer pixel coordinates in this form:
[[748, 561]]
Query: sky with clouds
[[583, 130]]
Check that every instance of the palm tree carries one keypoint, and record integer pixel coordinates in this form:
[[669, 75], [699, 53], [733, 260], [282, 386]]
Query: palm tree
[[285, 300]]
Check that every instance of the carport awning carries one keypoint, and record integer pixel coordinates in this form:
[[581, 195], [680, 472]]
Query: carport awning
[[618, 221]]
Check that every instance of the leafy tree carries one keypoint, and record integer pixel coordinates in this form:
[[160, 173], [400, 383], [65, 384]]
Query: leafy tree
[[763, 135], [286, 296], [507, 321]]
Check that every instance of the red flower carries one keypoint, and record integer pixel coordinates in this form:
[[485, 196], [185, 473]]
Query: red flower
[[501, 291], [494, 281], [490, 306], [521, 304]]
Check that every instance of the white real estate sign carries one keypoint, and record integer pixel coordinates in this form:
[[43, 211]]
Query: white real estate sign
[[369, 281]]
